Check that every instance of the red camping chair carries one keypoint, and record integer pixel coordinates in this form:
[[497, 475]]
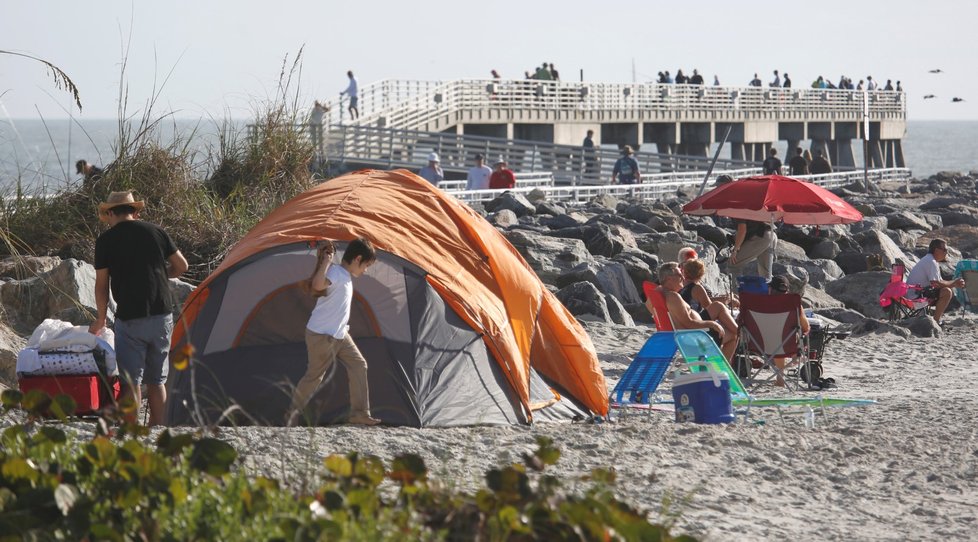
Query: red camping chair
[[770, 327], [894, 300], [656, 303]]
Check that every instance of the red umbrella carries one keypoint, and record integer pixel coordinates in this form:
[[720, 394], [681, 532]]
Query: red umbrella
[[770, 198]]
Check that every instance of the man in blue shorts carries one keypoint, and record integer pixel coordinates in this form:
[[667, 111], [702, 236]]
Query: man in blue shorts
[[135, 259]]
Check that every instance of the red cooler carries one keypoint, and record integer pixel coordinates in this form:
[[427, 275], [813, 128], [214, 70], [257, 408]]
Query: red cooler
[[86, 390]]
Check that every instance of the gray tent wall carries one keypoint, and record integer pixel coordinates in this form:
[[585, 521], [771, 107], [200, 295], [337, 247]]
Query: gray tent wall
[[426, 367]]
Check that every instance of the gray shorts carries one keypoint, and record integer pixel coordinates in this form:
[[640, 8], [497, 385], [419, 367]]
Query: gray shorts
[[142, 346]]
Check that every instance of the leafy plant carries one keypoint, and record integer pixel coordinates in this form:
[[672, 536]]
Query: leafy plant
[[116, 486]]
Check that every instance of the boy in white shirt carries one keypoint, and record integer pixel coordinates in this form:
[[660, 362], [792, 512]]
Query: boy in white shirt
[[327, 332]]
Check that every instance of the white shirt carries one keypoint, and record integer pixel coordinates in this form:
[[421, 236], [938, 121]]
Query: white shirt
[[926, 270], [351, 90], [331, 315], [478, 178]]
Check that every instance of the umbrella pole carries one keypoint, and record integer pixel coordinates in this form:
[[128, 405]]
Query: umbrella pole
[[716, 155]]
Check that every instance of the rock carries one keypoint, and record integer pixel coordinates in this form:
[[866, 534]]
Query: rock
[[819, 271], [605, 201], [504, 218], [617, 312], [569, 220], [664, 245], [512, 201], [536, 196], [786, 250], [846, 316], [817, 299], [611, 278], [872, 242], [860, 291], [640, 314], [600, 239], [25, 267], [584, 301], [28, 302], [921, 326], [549, 208], [82, 249], [905, 220], [870, 223], [961, 237], [639, 265], [179, 292], [718, 236], [549, 257], [824, 249], [871, 325], [620, 221], [959, 214], [10, 345]]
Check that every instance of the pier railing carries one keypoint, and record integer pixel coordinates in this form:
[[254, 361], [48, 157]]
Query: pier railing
[[666, 185], [417, 104]]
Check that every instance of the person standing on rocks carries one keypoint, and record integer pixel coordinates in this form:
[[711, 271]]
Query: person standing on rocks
[[754, 241], [327, 331], [927, 275], [135, 259], [91, 172]]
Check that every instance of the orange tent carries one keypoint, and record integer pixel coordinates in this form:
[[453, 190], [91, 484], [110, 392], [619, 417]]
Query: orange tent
[[504, 340]]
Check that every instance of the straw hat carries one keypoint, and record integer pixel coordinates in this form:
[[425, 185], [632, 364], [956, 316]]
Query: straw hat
[[117, 199]]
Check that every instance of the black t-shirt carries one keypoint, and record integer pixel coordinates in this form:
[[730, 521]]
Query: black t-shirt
[[755, 228], [798, 164], [135, 254], [772, 165]]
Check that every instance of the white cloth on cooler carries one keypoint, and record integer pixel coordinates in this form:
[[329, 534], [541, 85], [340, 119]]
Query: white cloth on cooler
[[58, 347]]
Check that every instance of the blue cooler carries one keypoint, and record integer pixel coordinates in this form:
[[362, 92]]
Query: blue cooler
[[703, 398], [752, 285]]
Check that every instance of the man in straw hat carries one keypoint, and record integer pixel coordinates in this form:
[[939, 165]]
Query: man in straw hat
[[502, 176], [135, 259]]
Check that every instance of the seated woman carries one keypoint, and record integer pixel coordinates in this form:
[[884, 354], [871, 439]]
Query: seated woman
[[683, 317], [708, 307], [779, 285]]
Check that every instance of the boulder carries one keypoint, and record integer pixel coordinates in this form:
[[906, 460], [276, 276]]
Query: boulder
[[824, 249], [961, 237], [504, 218], [959, 214], [512, 201], [869, 223], [639, 265], [600, 239], [179, 292], [550, 208], [617, 312], [905, 220], [860, 291], [10, 345], [25, 267], [718, 236], [584, 301], [610, 277], [604, 201], [640, 314], [536, 196], [872, 242], [549, 257], [817, 299], [921, 326], [28, 302], [620, 221], [568, 220], [843, 315], [904, 239], [872, 326]]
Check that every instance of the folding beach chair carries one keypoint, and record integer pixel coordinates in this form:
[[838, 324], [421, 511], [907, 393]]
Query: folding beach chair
[[967, 296], [770, 327], [637, 385], [894, 300]]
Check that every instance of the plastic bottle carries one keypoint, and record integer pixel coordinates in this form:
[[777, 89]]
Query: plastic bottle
[[809, 418]]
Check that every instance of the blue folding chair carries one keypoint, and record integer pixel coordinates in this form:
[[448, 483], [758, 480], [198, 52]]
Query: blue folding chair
[[967, 296]]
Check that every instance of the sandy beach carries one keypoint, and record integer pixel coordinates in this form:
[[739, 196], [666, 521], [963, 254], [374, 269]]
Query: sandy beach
[[905, 468]]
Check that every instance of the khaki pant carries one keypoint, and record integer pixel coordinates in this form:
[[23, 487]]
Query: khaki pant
[[323, 351]]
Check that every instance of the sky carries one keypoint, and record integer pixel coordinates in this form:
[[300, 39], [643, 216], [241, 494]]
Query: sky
[[218, 58]]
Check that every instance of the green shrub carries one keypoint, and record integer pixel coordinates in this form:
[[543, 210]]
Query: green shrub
[[114, 486]]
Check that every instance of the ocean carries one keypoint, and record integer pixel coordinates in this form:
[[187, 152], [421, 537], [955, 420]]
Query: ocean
[[39, 153]]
